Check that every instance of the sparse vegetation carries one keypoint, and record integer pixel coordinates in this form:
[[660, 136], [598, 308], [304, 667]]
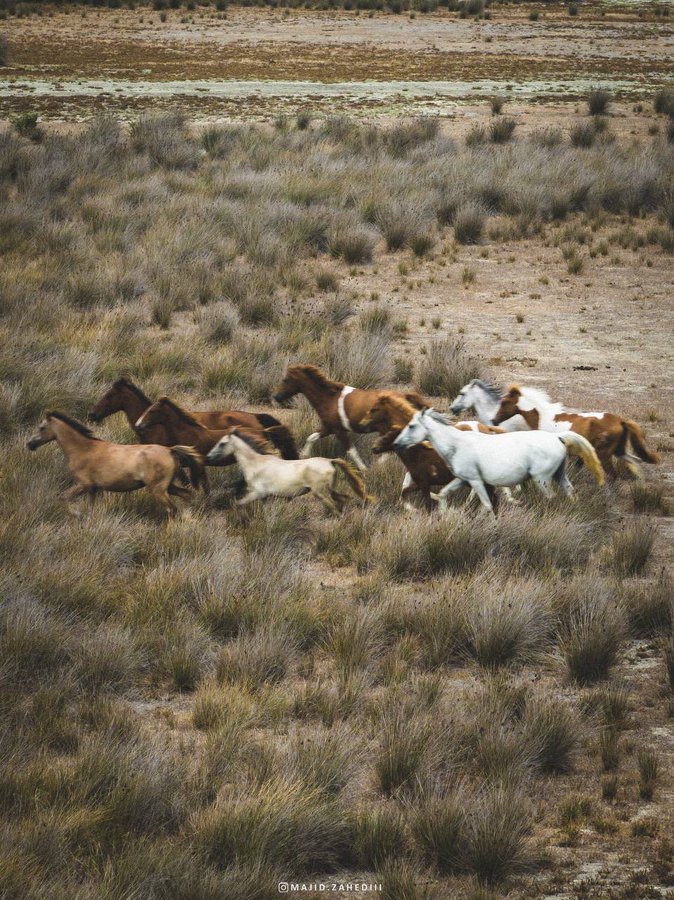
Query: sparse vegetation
[[201, 708], [445, 368]]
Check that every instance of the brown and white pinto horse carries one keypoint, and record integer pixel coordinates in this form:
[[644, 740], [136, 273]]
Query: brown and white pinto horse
[[341, 408], [425, 468], [607, 432]]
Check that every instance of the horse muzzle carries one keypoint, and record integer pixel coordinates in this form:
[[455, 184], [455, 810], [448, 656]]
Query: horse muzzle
[[34, 443], [95, 417], [455, 409]]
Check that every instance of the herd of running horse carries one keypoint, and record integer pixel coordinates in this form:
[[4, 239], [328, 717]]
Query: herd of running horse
[[516, 436]]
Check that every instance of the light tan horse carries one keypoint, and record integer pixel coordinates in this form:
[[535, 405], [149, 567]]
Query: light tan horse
[[97, 465], [341, 408], [607, 432], [269, 476]]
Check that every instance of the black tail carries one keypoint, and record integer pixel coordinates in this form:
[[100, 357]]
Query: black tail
[[192, 460], [282, 439], [266, 420]]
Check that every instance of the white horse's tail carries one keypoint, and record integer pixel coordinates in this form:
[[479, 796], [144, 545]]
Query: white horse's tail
[[577, 445]]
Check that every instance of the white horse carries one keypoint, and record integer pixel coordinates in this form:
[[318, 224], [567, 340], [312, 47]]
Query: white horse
[[268, 475], [500, 460], [485, 399]]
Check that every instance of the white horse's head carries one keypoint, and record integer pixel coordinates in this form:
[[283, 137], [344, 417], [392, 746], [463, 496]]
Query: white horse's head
[[222, 450], [413, 433], [472, 394]]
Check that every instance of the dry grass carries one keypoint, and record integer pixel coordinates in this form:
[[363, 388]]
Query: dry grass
[[204, 708]]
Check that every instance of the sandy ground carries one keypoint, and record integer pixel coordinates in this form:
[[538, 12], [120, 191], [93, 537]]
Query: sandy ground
[[131, 54]]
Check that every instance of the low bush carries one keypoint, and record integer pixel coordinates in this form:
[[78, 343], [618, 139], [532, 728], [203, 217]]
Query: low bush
[[598, 101], [445, 367], [631, 548], [591, 637], [501, 130], [469, 223]]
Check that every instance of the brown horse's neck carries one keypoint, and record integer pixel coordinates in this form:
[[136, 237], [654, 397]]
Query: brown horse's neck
[[70, 440], [531, 417], [181, 431], [317, 392], [133, 407]]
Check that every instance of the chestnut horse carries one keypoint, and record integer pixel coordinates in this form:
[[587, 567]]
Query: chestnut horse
[[124, 396], [607, 432], [341, 408], [98, 465], [425, 468]]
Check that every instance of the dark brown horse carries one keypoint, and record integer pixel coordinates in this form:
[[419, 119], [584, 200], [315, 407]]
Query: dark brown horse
[[425, 468], [342, 409], [124, 396], [181, 425]]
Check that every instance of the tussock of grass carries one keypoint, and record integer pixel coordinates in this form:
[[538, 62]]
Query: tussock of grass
[[631, 548], [378, 836], [469, 223], [592, 635], [405, 742], [598, 102], [499, 826], [434, 548], [508, 623], [256, 658], [649, 607], [552, 732], [439, 827], [445, 368], [279, 825]]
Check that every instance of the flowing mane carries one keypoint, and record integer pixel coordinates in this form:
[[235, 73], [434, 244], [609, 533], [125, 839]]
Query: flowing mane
[[73, 423], [125, 382], [438, 417], [179, 411], [395, 401], [490, 389], [315, 375], [535, 398], [260, 445]]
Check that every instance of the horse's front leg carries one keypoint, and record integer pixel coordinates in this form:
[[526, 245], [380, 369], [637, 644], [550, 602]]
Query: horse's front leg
[[441, 496], [73, 493], [313, 437], [344, 439], [481, 490]]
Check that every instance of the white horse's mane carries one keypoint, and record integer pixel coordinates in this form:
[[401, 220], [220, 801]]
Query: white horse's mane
[[535, 398], [438, 417]]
